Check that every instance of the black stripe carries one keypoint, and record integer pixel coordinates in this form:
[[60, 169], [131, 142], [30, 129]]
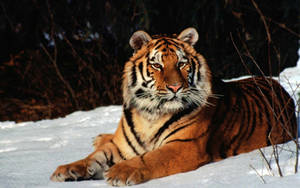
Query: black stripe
[[229, 120], [151, 86], [232, 118], [158, 41], [161, 102], [251, 116], [144, 84], [184, 99], [176, 45], [223, 149], [105, 155], [193, 71], [100, 164], [243, 123], [141, 70], [172, 42], [153, 58], [255, 95], [109, 161], [128, 118], [142, 158], [128, 141], [176, 130], [140, 93], [190, 139], [185, 58], [181, 45], [133, 76], [167, 42], [172, 50], [182, 140], [198, 70], [267, 99], [119, 151], [147, 54], [258, 120], [221, 107], [148, 63], [173, 119], [148, 82], [198, 76]]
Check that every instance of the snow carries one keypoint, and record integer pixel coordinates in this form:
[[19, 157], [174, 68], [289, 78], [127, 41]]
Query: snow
[[30, 152]]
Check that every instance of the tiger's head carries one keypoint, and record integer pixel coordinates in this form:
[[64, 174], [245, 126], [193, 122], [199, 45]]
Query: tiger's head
[[165, 74]]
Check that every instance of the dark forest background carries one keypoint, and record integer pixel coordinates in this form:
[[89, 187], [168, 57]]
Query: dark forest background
[[58, 56]]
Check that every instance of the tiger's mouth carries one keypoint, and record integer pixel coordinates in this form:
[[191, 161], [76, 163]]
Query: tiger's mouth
[[176, 98], [171, 97], [173, 100]]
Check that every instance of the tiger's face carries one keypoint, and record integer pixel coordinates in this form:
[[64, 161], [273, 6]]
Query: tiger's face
[[165, 75]]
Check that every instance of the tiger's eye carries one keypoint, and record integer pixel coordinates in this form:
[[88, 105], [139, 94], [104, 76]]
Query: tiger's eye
[[181, 64], [156, 65]]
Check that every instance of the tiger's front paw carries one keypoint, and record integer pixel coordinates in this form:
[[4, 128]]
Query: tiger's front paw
[[122, 174], [77, 171]]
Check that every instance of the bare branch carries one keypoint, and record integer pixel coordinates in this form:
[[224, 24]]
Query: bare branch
[[263, 20], [267, 162], [261, 177]]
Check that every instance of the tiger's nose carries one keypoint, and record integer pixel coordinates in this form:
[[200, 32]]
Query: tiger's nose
[[174, 88]]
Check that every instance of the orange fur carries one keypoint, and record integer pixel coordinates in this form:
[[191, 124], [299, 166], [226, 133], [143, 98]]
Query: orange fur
[[177, 117], [102, 139]]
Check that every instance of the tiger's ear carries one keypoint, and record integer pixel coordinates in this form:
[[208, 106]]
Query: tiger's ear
[[189, 35], [139, 39]]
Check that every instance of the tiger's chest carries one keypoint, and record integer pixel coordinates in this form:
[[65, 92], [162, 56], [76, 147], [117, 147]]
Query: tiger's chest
[[147, 131], [139, 135]]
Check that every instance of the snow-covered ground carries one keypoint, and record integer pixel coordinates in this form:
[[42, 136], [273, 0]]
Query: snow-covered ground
[[30, 152]]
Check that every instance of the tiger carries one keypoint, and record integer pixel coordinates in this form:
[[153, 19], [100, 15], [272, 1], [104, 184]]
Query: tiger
[[177, 116]]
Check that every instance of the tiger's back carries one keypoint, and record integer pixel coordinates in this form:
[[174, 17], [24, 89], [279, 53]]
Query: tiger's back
[[177, 116], [249, 114]]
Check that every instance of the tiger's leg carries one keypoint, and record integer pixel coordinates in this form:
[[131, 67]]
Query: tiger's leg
[[170, 159], [102, 139], [92, 167]]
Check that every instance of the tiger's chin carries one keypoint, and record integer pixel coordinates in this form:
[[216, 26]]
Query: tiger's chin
[[172, 106]]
